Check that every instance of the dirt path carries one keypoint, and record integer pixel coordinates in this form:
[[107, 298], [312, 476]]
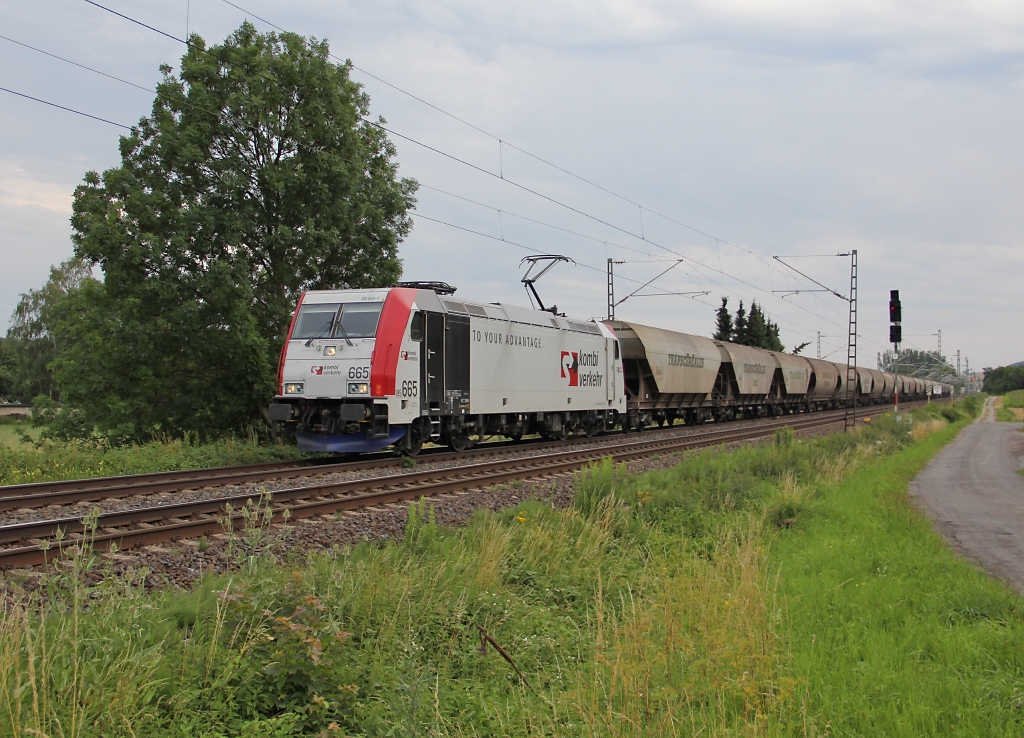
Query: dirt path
[[976, 497]]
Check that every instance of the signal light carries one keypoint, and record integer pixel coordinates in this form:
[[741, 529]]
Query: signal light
[[895, 334], [895, 310]]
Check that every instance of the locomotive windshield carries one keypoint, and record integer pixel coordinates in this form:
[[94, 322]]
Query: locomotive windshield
[[334, 320]]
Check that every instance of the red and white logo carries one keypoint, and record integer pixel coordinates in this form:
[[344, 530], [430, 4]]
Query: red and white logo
[[571, 367], [318, 370]]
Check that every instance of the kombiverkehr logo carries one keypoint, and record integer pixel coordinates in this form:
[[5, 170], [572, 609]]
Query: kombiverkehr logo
[[573, 361], [571, 368]]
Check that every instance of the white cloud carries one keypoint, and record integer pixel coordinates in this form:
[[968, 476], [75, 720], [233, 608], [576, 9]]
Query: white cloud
[[18, 189]]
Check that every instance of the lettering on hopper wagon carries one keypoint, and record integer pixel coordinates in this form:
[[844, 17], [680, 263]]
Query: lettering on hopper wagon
[[687, 360], [754, 368]]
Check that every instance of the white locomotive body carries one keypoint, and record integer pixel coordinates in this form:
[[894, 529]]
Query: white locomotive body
[[364, 369]]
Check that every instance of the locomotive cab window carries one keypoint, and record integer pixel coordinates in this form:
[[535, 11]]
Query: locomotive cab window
[[358, 320], [315, 321], [334, 320], [416, 328]]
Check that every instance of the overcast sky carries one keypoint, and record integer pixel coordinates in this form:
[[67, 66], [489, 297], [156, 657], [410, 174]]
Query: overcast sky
[[719, 133]]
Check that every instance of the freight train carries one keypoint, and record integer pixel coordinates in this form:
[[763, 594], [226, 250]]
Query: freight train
[[364, 369]]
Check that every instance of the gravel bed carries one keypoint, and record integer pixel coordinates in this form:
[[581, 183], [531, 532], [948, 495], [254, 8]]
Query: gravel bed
[[78, 510], [179, 565]]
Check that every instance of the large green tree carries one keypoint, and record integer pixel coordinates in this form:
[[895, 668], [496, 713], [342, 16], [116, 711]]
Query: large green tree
[[1004, 379], [257, 176]]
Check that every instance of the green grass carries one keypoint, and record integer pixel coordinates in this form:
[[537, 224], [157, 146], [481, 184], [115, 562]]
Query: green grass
[[778, 590], [1014, 399], [22, 463], [1012, 409], [892, 633], [11, 431]]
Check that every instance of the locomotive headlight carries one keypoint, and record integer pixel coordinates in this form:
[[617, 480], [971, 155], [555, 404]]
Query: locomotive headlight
[[358, 388], [330, 350], [293, 388]]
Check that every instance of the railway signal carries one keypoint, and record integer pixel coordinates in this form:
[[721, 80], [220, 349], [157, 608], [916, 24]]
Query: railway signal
[[895, 309], [896, 338]]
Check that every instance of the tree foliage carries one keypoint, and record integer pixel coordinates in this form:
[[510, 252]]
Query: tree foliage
[[6, 371], [256, 176], [1004, 379], [32, 342], [723, 324], [749, 329]]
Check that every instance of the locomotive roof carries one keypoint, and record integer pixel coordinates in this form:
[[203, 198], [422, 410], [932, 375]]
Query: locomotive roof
[[518, 314], [495, 310]]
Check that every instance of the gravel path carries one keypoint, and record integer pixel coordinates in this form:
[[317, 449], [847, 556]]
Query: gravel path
[[973, 493], [180, 564]]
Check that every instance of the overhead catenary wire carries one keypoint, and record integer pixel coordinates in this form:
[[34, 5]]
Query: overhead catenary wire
[[764, 258], [64, 107], [500, 176]]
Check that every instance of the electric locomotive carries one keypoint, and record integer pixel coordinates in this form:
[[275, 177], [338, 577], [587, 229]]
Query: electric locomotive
[[364, 369]]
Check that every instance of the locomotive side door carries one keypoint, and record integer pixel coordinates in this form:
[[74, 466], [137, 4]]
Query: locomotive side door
[[432, 365], [611, 355], [456, 364]]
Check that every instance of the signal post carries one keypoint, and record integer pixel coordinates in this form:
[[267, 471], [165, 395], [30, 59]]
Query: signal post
[[895, 338]]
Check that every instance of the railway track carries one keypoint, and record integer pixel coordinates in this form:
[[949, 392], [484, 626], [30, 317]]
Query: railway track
[[33, 543], [72, 491]]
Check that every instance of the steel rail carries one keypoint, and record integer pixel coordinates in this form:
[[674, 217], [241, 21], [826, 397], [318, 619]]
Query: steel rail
[[214, 515], [67, 492]]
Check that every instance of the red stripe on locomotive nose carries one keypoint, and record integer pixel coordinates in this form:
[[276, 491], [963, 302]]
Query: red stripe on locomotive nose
[[394, 318], [284, 348]]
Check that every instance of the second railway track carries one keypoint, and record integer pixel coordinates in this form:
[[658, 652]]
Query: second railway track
[[32, 543]]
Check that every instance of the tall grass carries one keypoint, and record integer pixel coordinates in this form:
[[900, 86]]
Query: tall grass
[[52, 460], [1014, 399], [714, 598]]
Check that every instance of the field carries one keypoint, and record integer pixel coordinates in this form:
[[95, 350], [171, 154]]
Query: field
[[1010, 407], [10, 430], [789, 589]]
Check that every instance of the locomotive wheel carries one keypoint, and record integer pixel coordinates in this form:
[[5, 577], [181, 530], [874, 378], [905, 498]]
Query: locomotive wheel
[[458, 440], [415, 443]]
